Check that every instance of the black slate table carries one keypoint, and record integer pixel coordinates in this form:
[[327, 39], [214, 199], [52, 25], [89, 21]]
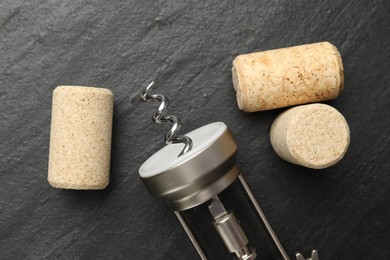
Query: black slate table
[[342, 211]]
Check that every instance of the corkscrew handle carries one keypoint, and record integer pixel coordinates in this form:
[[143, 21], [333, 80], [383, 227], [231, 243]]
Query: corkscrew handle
[[161, 115]]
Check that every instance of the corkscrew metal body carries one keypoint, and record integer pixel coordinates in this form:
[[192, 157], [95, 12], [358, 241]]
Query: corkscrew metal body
[[161, 115], [198, 175]]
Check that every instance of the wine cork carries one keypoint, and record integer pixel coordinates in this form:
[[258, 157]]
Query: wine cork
[[80, 138], [288, 76], [315, 136]]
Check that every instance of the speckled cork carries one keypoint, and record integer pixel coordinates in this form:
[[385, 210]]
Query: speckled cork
[[288, 76], [315, 136], [80, 138]]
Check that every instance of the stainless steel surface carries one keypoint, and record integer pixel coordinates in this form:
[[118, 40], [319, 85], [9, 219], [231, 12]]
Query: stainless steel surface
[[245, 254], [216, 208], [161, 115], [230, 231], [262, 217], [191, 235], [264, 221], [200, 177], [314, 256]]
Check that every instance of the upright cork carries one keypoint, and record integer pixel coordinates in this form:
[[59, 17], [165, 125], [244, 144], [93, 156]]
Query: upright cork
[[315, 136], [80, 138], [288, 76]]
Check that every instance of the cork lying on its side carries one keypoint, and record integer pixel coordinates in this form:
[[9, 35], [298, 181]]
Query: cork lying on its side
[[315, 136], [288, 76], [80, 138]]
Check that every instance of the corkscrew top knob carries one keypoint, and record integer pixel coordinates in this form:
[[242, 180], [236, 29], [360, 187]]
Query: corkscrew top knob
[[197, 176]]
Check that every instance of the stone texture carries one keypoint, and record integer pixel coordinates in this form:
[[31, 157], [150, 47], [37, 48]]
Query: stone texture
[[288, 76], [121, 45], [80, 138], [315, 136]]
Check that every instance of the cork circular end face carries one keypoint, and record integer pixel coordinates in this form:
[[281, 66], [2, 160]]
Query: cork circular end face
[[317, 136], [236, 84], [338, 66]]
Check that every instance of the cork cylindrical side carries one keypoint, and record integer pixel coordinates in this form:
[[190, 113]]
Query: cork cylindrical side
[[288, 76], [80, 137], [315, 136]]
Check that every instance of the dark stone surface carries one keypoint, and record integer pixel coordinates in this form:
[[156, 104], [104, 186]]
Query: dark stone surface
[[343, 211]]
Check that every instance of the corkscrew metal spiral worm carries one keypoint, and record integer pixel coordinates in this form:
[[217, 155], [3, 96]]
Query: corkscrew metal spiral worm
[[161, 115]]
